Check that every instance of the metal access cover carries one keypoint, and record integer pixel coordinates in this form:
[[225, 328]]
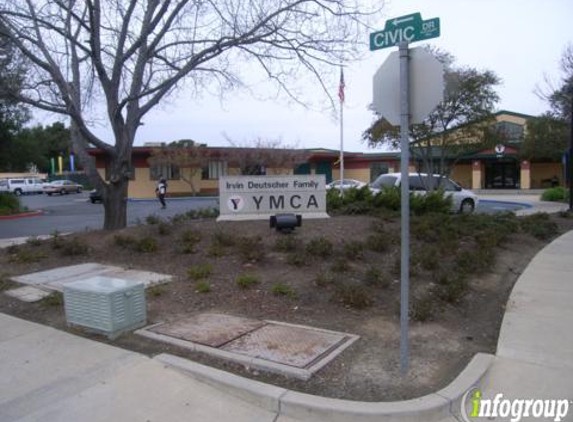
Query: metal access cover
[[209, 329], [285, 344]]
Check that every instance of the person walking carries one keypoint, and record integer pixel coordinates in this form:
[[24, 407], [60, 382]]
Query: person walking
[[161, 191]]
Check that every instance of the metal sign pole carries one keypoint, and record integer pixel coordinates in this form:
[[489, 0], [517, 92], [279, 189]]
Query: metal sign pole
[[405, 204]]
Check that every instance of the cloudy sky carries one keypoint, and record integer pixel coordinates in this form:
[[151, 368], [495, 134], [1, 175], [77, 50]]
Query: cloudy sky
[[520, 40]]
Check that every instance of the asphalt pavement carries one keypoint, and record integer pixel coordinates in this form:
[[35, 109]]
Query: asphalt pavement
[[74, 213]]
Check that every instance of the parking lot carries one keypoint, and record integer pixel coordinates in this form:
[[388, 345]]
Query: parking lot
[[74, 212]]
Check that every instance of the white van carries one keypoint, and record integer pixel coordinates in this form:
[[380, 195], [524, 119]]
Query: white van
[[21, 185]]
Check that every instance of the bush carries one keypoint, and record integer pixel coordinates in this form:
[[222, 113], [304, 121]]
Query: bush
[[223, 238], [297, 258], [57, 240], [340, 266], [353, 250], [9, 204], [251, 248], [247, 280], [155, 291], [124, 240], [288, 243], [451, 288], [53, 300], [539, 225], [215, 250], [152, 219], [432, 202], [557, 194], [33, 241], [197, 272], [74, 247], [320, 247], [281, 289], [163, 228], [352, 295], [191, 236], [146, 244], [375, 276], [422, 308], [26, 256], [202, 287], [377, 242], [324, 279]]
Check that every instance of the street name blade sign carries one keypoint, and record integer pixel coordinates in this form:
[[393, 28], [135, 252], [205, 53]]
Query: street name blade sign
[[407, 28], [426, 86]]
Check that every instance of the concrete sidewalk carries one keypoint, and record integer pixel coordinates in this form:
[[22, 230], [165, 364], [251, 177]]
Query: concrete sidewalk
[[52, 376]]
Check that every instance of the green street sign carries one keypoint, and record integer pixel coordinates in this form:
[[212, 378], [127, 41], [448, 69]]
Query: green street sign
[[407, 28]]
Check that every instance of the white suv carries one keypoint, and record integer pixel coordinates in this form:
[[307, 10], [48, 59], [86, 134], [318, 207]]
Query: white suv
[[464, 200], [21, 185]]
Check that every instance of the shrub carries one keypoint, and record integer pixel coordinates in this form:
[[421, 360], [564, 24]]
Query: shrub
[[288, 243], [199, 271], [251, 248], [57, 240], [163, 228], [320, 247], [178, 219], [152, 219], [5, 283], [353, 250], [146, 244], [297, 258], [9, 204], [422, 308], [155, 291], [451, 288], [539, 225], [375, 276], [324, 279], [432, 202], [52, 300], [247, 280], [202, 287], [556, 194], [191, 236], [281, 289], [124, 240], [33, 241], [223, 238], [74, 247], [340, 266], [389, 198], [215, 250], [353, 295], [377, 243], [429, 258], [26, 256]]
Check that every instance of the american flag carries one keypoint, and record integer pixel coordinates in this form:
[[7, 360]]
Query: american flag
[[341, 87]]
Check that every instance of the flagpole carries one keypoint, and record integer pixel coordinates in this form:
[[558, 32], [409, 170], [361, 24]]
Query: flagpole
[[341, 98]]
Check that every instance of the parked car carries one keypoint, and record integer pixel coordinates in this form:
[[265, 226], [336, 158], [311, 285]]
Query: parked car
[[21, 185], [62, 187], [346, 184], [464, 200], [95, 196]]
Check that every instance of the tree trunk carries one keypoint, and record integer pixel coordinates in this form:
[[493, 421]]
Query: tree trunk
[[115, 205]]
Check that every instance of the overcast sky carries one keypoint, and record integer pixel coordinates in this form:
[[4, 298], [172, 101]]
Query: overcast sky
[[520, 40]]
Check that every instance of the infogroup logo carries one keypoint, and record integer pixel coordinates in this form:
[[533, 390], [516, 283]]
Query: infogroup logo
[[474, 406]]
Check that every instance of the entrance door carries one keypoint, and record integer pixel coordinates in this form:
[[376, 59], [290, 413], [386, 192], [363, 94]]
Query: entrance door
[[325, 167], [501, 175]]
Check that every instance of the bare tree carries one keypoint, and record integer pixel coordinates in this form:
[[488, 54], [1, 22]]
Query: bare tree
[[132, 54], [184, 155], [265, 156]]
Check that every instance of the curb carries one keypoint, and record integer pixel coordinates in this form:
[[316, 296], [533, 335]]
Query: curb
[[21, 215], [443, 404]]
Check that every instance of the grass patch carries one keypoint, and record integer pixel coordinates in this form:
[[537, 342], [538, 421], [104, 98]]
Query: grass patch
[[54, 299], [340, 266], [146, 244], [33, 241], [224, 239], [245, 281], [164, 228], [297, 258], [353, 250], [155, 291], [377, 242], [27, 256], [352, 295], [74, 247], [324, 279], [251, 248], [125, 241], [287, 243], [152, 219], [539, 225], [320, 247], [281, 289], [375, 276], [200, 271], [5, 283], [202, 287]]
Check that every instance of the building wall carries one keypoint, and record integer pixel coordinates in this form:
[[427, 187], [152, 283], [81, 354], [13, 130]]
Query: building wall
[[545, 171], [462, 174], [362, 174]]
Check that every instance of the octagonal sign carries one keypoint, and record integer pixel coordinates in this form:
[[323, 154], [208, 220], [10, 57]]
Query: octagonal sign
[[426, 86]]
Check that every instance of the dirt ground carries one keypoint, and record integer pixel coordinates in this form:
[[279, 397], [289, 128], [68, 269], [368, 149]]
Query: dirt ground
[[440, 346]]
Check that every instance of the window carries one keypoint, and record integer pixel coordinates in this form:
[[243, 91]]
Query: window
[[108, 173], [214, 171], [509, 131], [167, 171], [376, 169], [417, 182]]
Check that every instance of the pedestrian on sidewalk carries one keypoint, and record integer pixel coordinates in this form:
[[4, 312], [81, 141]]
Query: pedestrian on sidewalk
[[161, 191]]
